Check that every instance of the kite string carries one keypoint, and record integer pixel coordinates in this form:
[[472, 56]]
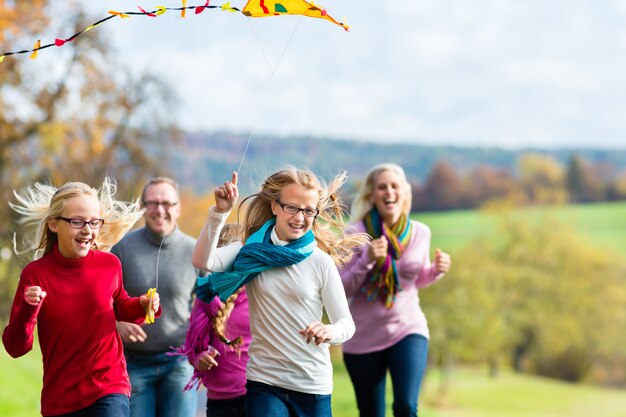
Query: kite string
[[271, 77], [156, 283]]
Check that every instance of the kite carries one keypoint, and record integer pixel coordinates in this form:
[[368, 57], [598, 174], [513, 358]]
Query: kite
[[253, 8]]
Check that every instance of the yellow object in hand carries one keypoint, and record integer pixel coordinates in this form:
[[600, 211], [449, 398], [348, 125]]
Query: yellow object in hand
[[150, 306]]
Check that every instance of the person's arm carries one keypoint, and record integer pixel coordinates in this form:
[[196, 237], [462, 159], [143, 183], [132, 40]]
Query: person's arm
[[341, 325], [430, 272], [354, 273], [204, 253], [18, 335], [131, 309]]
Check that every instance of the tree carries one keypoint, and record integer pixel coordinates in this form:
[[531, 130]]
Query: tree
[[535, 295], [542, 178], [88, 119], [582, 182], [484, 183], [443, 189]]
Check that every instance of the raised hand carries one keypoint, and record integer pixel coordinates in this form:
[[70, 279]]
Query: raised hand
[[442, 261], [34, 295], [226, 195], [377, 248]]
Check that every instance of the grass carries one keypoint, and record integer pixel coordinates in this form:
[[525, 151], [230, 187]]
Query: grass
[[603, 224], [20, 384], [474, 394], [471, 394]]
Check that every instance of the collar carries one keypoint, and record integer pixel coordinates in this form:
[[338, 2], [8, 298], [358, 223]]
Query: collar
[[68, 262], [159, 240], [275, 240]]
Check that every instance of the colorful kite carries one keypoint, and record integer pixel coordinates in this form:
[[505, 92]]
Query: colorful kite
[[254, 8], [261, 8]]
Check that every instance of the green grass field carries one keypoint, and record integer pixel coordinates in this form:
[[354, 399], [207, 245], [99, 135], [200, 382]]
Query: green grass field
[[603, 224], [472, 393]]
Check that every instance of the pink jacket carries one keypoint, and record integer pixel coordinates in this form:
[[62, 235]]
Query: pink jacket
[[377, 327], [228, 379]]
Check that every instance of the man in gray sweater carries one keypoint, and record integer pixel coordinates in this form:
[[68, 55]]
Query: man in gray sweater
[[159, 255]]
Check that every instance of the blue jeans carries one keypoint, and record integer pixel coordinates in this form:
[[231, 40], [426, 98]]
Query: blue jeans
[[406, 361], [235, 407], [114, 405], [264, 400], [157, 382]]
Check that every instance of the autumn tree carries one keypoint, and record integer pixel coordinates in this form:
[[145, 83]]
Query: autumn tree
[[534, 296], [81, 119], [542, 179], [583, 184], [484, 183], [443, 189]]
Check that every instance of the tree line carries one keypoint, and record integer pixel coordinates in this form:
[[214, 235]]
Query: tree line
[[534, 179]]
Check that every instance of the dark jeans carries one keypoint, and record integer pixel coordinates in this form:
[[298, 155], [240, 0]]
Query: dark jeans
[[264, 400], [406, 362], [235, 407], [114, 405]]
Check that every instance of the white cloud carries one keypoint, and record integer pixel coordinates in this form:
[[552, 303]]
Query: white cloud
[[533, 72]]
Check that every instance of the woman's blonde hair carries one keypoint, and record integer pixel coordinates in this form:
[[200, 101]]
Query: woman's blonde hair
[[362, 203], [41, 202], [328, 227], [230, 233]]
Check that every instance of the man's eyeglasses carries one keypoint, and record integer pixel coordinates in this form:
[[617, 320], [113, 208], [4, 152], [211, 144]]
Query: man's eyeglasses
[[291, 209], [79, 223], [151, 205]]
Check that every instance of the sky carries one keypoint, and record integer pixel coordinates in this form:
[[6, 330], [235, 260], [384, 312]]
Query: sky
[[506, 73]]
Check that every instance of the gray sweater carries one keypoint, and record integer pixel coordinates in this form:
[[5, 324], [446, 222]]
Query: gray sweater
[[138, 252]]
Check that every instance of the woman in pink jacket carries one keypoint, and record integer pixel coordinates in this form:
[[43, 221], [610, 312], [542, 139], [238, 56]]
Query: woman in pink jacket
[[381, 282]]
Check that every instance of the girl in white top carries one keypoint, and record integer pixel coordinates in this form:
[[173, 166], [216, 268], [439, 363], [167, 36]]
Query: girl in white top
[[287, 374]]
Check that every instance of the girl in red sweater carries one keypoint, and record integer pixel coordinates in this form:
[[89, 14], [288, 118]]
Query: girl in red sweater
[[73, 291]]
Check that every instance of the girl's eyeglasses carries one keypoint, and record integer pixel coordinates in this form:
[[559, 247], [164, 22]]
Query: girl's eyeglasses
[[79, 223]]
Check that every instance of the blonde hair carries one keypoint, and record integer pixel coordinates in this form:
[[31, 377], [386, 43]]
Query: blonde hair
[[230, 233], [41, 202], [328, 227], [362, 203]]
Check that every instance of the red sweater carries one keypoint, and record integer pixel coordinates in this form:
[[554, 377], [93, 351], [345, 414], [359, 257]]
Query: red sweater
[[82, 353]]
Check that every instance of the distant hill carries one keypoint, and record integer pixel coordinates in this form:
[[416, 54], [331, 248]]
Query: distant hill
[[202, 160]]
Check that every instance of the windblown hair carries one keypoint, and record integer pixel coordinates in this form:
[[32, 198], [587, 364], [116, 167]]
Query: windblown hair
[[230, 233], [328, 227], [41, 202], [362, 203]]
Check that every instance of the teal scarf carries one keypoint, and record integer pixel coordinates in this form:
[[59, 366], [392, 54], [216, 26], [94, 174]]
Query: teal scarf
[[257, 255]]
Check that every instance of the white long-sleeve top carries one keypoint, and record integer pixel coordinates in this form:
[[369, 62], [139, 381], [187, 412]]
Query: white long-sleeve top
[[283, 301]]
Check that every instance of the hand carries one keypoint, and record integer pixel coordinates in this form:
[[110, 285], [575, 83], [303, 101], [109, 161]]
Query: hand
[[156, 301], [206, 360], [226, 195], [34, 295], [317, 331], [442, 261], [130, 332], [377, 248]]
